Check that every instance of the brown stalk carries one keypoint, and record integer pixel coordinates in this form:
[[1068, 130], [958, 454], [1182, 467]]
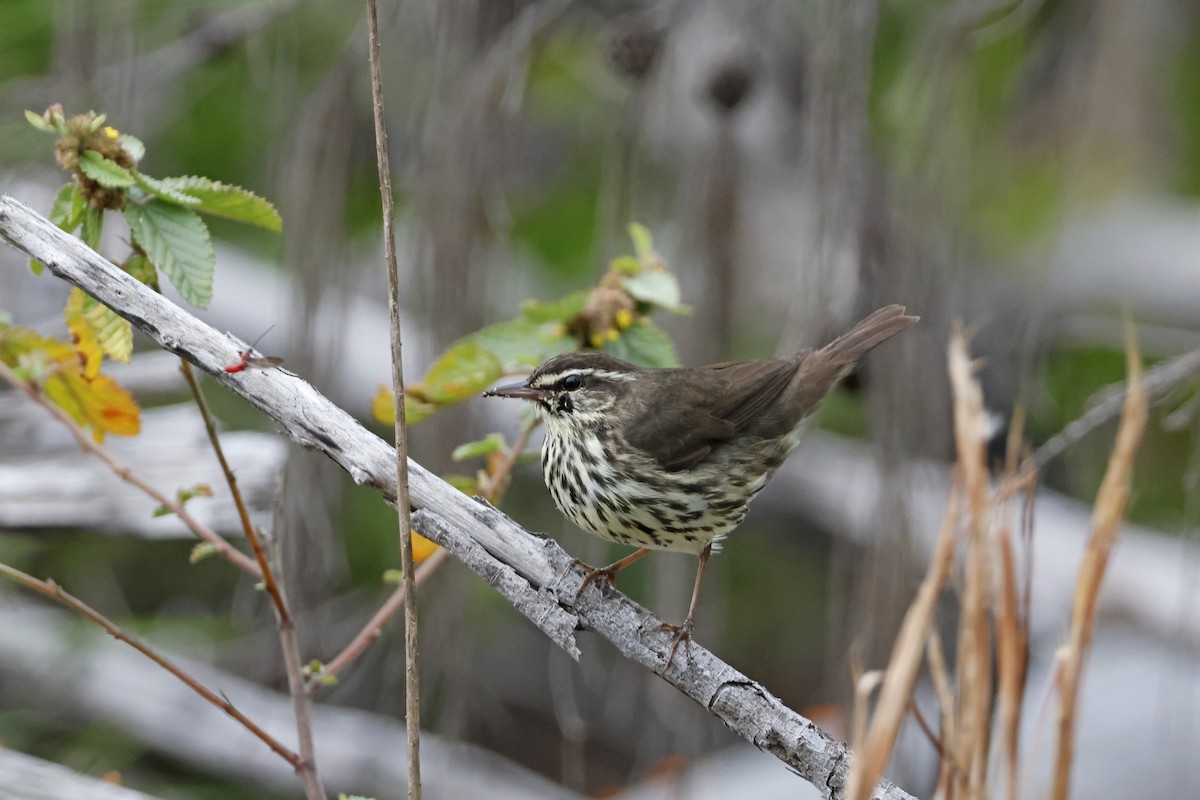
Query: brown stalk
[[412, 694], [940, 676], [974, 662], [88, 445], [1012, 635], [284, 622], [1107, 515], [872, 753], [55, 592]]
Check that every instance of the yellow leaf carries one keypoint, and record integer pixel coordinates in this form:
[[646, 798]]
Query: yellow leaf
[[98, 331], [100, 403], [422, 548], [383, 408]]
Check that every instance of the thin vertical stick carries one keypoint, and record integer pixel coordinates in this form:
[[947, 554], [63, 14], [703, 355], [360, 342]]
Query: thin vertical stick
[[412, 699], [284, 622], [1107, 515]]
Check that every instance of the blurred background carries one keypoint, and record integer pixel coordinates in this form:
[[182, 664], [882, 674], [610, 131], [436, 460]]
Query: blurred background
[[1031, 168]]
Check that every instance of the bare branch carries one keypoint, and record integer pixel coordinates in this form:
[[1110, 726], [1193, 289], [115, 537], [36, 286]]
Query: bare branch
[[312, 420]]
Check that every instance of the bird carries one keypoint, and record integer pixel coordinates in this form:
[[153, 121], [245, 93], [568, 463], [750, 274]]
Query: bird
[[670, 458]]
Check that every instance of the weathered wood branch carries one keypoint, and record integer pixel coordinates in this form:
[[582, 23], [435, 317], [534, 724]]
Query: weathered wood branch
[[313, 421]]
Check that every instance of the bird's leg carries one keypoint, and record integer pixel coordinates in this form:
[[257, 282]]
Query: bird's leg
[[607, 575], [683, 633]]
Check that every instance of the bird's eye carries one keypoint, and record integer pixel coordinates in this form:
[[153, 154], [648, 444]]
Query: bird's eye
[[572, 382]]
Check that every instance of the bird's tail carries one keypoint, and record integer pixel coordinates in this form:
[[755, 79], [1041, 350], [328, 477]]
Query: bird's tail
[[880, 326]]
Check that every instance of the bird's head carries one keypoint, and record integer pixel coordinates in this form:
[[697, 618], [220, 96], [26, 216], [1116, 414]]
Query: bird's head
[[574, 390]]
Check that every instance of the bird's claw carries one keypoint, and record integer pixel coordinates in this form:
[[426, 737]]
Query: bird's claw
[[603, 577], [682, 636]]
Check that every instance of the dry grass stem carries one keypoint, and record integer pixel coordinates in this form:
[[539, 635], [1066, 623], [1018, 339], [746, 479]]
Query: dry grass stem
[[1107, 517], [873, 750]]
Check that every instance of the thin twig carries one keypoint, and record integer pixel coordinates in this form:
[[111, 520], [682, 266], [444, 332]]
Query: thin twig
[[374, 627], [412, 698], [1107, 516], [1108, 403], [284, 622], [55, 592], [85, 442]]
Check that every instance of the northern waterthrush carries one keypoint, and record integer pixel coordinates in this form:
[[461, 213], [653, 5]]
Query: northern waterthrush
[[669, 459]]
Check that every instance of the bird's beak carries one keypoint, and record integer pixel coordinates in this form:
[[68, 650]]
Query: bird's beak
[[521, 391]]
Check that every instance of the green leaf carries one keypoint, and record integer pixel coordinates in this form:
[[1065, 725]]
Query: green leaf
[[491, 443], [39, 122], [559, 310], [133, 146], [520, 344], [464, 483], [67, 211], [108, 174], [463, 370], [177, 242], [656, 287], [225, 200], [646, 344], [643, 243], [163, 190], [97, 122], [395, 576], [626, 264], [201, 551], [140, 267], [93, 226]]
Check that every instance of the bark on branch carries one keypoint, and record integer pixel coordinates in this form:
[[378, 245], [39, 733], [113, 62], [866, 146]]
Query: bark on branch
[[532, 572]]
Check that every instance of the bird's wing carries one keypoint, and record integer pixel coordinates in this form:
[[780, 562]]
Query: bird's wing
[[680, 428]]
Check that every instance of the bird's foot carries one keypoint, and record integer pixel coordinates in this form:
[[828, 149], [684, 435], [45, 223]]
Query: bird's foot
[[603, 577], [683, 636]]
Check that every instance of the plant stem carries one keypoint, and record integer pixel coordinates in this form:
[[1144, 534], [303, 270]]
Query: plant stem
[[55, 592], [412, 699], [284, 622]]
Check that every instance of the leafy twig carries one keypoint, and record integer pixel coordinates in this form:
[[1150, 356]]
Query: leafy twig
[[219, 545], [55, 592], [412, 697]]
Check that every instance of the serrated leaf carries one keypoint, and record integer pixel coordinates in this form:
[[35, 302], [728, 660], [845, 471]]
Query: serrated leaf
[[100, 403], [98, 330], [467, 368], [643, 243], [559, 310], [108, 174], [491, 443], [656, 287], [93, 226], [161, 189], [176, 241], [225, 200], [133, 146], [645, 344], [39, 122]]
